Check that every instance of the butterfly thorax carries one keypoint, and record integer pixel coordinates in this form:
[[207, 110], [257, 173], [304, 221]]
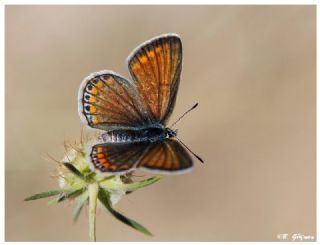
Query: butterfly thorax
[[150, 134]]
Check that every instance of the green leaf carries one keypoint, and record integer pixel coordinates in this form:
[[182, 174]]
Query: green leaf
[[70, 194], [74, 170], [140, 184], [82, 200], [115, 185], [45, 194], [53, 201], [105, 200]]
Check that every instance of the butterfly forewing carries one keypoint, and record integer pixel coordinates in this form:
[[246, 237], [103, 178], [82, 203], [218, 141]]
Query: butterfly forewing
[[156, 67], [107, 101]]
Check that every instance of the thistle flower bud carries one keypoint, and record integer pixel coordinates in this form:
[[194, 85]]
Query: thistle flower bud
[[77, 181]]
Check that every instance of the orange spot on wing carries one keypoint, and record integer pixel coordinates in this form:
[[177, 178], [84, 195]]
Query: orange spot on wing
[[99, 84], [158, 49], [143, 59], [151, 54], [103, 161], [93, 109], [94, 90], [100, 155], [113, 167], [109, 81], [92, 99], [135, 67]]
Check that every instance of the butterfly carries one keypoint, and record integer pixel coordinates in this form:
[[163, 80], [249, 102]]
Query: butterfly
[[133, 114]]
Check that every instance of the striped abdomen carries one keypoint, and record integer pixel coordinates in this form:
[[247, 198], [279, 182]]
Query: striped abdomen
[[123, 136]]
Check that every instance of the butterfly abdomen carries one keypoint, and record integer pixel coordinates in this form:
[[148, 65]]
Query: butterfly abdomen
[[130, 136]]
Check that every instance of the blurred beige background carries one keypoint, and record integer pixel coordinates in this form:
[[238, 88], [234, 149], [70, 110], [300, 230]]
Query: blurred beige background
[[251, 68]]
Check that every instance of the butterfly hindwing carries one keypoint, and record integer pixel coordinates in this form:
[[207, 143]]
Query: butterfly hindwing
[[166, 156], [107, 100], [110, 158], [155, 67]]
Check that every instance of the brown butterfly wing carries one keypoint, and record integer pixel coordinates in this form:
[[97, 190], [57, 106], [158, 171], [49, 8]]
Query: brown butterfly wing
[[108, 101], [155, 67], [166, 156], [119, 158]]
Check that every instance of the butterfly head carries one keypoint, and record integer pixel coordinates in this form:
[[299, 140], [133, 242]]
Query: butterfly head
[[170, 133]]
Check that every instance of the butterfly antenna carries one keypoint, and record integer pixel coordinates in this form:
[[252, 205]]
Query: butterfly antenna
[[199, 158], [193, 107]]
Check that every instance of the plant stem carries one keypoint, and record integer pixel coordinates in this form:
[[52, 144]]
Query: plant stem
[[93, 197]]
